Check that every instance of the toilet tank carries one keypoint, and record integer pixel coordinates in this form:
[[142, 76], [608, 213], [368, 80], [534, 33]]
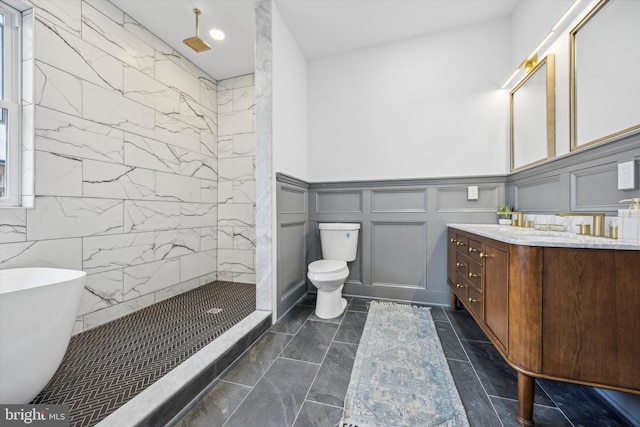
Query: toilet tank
[[339, 241]]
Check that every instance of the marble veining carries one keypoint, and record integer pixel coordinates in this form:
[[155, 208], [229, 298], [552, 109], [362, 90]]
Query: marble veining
[[61, 133], [61, 49], [13, 225], [236, 193], [101, 30], [264, 159]]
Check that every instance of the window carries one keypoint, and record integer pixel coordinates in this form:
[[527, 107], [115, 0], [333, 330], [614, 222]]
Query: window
[[10, 70]]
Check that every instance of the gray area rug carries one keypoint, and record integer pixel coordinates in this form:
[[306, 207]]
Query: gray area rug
[[400, 375]]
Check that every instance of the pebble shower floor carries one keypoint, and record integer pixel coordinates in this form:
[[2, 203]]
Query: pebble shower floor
[[107, 366]]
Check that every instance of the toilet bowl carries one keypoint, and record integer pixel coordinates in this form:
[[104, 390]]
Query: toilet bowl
[[328, 277], [339, 243]]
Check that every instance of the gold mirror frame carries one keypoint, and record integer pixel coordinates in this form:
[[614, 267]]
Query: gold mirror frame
[[604, 71], [546, 66]]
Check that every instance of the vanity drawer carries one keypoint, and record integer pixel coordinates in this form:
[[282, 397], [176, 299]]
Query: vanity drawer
[[474, 274], [462, 243], [474, 250], [474, 301], [462, 264]]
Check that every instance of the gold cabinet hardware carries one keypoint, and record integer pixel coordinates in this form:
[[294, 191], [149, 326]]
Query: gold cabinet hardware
[[458, 285], [460, 265], [460, 244], [452, 240], [472, 275], [483, 255], [472, 250], [473, 300]]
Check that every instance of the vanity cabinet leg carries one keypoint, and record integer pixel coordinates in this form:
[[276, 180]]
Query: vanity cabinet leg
[[454, 301], [526, 390]]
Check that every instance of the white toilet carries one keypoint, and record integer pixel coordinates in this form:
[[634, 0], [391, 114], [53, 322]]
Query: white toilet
[[339, 245]]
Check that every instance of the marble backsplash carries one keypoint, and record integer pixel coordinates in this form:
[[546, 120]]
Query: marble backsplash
[[571, 223]]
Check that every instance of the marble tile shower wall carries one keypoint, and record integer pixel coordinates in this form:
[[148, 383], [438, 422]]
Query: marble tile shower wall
[[126, 154], [236, 180]]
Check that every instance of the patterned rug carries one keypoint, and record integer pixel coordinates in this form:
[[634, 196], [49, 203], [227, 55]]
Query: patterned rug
[[400, 375]]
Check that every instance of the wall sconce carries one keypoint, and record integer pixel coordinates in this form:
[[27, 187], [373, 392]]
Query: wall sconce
[[532, 60]]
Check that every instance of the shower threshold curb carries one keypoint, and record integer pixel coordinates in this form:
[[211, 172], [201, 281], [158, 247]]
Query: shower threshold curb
[[143, 406]]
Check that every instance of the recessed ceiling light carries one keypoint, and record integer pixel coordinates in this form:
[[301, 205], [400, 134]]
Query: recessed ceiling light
[[216, 34]]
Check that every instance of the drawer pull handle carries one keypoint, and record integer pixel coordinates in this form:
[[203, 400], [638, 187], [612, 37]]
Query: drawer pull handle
[[452, 240], [483, 255], [460, 265], [472, 275], [472, 250], [460, 244], [458, 285], [473, 300]]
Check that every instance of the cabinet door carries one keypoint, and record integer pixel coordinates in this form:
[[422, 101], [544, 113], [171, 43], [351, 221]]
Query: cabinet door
[[496, 292]]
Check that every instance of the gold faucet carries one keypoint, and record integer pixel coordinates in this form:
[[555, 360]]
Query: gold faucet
[[598, 220], [519, 221]]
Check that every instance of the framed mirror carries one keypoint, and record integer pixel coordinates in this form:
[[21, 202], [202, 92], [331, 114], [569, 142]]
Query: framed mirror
[[533, 115], [604, 77]]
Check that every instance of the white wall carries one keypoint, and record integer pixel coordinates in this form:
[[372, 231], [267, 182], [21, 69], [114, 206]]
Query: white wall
[[531, 21], [289, 102], [424, 107]]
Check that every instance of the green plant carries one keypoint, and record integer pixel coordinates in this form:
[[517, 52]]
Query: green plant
[[505, 208]]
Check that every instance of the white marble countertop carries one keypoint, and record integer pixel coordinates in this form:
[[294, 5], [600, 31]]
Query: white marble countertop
[[533, 237]]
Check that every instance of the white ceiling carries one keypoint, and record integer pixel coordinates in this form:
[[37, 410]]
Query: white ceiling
[[321, 27]]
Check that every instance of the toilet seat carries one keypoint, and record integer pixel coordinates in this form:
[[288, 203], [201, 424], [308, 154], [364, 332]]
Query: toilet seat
[[328, 269], [327, 266]]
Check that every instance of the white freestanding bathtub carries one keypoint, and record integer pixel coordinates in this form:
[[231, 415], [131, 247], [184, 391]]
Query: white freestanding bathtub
[[37, 312]]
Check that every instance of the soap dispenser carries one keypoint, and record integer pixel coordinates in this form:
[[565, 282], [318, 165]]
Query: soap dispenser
[[629, 221]]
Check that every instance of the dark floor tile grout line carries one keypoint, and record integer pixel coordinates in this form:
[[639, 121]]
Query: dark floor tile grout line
[[325, 404], [267, 370], [555, 403], [344, 314], [298, 360], [474, 369], [344, 342], [234, 383], [277, 332]]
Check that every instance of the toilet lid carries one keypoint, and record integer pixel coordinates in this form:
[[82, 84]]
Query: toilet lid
[[326, 266]]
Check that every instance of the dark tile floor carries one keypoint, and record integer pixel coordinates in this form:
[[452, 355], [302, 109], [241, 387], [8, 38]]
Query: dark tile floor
[[298, 372]]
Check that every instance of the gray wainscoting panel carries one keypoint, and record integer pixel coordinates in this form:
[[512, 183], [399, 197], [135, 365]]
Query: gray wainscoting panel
[[585, 180], [398, 201], [334, 201], [454, 199], [594, 187], [292, 199], [402, 245], [399, 254], [292, 269], [539, 195]]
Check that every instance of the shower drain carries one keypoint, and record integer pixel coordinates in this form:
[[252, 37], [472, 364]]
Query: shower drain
[[214, 311]]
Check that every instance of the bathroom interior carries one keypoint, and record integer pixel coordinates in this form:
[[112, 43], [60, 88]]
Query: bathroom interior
[[191, 186]]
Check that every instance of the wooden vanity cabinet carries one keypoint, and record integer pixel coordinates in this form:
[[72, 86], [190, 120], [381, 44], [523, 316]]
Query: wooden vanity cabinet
[[568, 314], [480, 281]]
